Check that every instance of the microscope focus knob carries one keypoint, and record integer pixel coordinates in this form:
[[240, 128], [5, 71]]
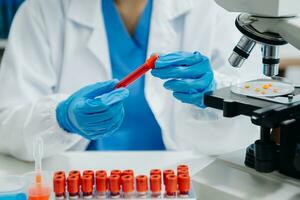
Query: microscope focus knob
[[297, 158]]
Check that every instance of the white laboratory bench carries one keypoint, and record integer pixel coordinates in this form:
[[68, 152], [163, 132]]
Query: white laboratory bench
[[140, 161]]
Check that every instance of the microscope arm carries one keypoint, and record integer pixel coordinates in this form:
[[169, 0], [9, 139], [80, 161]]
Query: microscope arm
[[289, 29]]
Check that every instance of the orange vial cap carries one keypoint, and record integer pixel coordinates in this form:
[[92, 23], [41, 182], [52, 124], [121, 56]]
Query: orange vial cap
[[60, 173], [59, 183], [116, 172], [87, 185], [179, 167], [127, 183], [171, 184], [101, 182], [74, 172], [128, 172], [184, 183], [114, 184], [101, 172], [182, 171], [155, 172], [155, 183], [141, 184], [167, 172], [73, 185]]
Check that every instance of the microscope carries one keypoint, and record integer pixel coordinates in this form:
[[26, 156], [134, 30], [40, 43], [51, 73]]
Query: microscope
[[270, 24]]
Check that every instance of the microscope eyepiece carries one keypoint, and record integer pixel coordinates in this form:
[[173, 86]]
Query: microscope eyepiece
[[241, 51]]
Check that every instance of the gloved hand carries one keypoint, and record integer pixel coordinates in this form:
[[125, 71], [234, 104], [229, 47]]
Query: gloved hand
[[190, 75], [93, 111]]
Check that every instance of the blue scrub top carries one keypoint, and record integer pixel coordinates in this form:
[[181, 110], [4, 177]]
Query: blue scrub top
[[140, 130]]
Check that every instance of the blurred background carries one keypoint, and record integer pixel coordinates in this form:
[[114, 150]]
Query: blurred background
[[290, 56], [8, 9]]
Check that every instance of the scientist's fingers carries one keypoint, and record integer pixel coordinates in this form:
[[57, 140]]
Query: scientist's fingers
[[94, 90], [95, 117], [103, 102], [178, 58], [190, 85], [196, 99], [99, 121], [191, 71], [105, 132]]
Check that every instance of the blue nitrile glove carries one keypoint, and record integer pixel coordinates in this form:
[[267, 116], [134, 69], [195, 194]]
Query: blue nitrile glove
[[93, 111], [190, 75]]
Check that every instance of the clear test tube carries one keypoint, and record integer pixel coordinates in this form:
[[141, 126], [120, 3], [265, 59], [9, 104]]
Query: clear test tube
[[127, 186]]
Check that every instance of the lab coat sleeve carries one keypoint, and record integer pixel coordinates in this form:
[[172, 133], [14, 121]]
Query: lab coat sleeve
[[28, 79], [206, 130]]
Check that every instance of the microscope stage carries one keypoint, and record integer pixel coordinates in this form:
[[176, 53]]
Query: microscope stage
[[236, 104], [263, 88]]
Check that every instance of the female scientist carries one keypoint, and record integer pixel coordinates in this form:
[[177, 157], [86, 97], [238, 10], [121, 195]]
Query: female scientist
[[62, 60]]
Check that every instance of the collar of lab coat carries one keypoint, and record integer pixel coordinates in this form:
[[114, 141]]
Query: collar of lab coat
[[88, 15]]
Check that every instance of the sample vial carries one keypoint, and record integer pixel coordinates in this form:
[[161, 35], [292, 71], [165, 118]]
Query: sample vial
[[184, 185], [87, 186], [156, 172], [155, 186], [117, 172], [73, 186], [171, 185], [114, 186], [141, 186], [59, 184], [127, 186], [167, 172], [101, 185], [91, 173], [77, 174]]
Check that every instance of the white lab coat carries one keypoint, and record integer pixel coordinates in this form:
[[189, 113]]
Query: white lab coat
[[58, 46]]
